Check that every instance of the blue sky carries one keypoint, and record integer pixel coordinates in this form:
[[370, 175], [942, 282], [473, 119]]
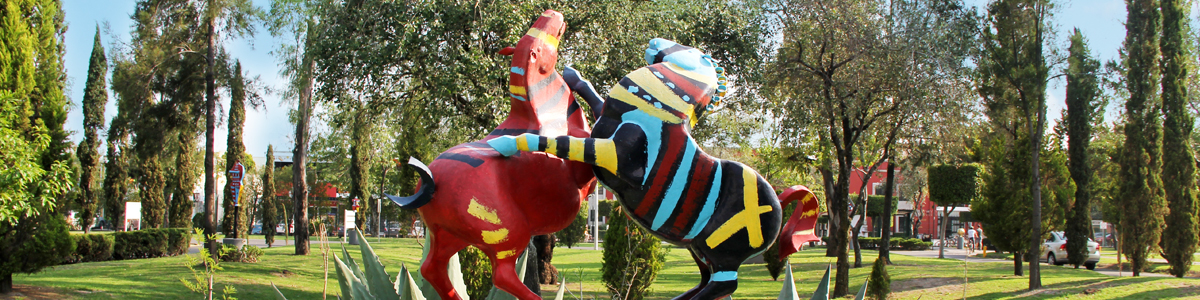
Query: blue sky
[[1100, 20]]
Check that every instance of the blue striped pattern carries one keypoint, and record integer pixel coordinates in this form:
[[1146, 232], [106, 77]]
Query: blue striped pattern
[[675, 192], [518, 97], [518, 70], [709, 205], [724, 276]]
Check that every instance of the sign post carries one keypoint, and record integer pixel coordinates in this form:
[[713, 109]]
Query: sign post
[[235, 183]]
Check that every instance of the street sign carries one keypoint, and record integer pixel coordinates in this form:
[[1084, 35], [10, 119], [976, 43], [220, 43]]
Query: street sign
[[235, 181]]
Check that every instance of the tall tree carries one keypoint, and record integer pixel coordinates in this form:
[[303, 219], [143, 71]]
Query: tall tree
[[1083, 93], [1014, 75], [95, 97], [1141, 187], [32, 110], [296, 19], [1179, 163], [268, 203], [235, 18], [233, 154], [116, 180]]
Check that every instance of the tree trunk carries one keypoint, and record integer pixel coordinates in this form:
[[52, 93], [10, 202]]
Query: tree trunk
[[842, 284], [1018, 257], [5, 284], [885, 235], [944, 222], [547, 273], [834, 218], [299, 159], [857, 247], [210, 160]]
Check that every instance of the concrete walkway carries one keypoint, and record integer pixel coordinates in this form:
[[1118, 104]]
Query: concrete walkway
[[962, 255]]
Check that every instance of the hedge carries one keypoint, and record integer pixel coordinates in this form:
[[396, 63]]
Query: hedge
[[150, 243], [91, 247], [897, 243]]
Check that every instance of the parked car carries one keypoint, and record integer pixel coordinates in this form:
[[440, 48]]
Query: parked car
[[392, 230], [1054, 251], [256, 229]]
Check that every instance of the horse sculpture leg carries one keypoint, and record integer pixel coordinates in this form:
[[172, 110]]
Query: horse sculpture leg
[[443, 246], [722, 280], [504, 275], [705, 276]]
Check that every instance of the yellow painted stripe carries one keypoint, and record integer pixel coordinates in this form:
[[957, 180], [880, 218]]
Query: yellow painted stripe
[[483, 212], [710, 81], [575, 150], [606, 155], [522, 144], [495, 236], [551, 146], [516, 89], [646, 80], [549, 39], [747, 218], [506, 254], [622, 94]]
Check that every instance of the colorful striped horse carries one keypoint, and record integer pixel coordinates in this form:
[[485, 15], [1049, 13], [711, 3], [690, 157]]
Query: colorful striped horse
[[722, 211], [471, 195]]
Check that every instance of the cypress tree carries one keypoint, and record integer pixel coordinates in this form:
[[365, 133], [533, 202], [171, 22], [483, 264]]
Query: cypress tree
[[185, 179], [116, 180], [1141, 189], [360, 135], [1082, 92], [152, 182], [233, 154], [1179, 164], [95, 96], [269, 220]]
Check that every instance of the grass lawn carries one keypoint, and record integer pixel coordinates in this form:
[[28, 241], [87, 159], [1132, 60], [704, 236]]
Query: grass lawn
[[300, 277]]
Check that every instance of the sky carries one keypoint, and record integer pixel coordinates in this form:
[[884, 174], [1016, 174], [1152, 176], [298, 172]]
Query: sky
[[1101, 21]]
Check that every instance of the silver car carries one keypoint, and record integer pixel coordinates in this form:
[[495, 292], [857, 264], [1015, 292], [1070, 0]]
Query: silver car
[[1054, 251]]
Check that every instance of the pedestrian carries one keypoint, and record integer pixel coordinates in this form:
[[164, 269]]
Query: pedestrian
[[970, 239]]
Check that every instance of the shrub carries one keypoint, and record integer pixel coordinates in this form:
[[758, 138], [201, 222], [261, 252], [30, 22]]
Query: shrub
[[246, 254], [605, 207], [139, 244], [915, 244], [880, 284], [574, 233], [91, 247], [477, 272], [632, 258]]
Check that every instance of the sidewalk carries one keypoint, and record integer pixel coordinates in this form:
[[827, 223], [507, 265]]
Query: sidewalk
[[952, 253]]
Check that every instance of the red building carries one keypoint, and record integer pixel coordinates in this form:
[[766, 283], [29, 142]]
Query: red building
[[908, 211]]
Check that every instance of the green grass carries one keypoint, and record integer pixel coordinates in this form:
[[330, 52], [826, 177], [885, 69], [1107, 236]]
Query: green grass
[[912, 278]]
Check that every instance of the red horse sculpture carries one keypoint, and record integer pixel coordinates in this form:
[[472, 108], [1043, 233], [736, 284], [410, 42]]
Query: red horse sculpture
[[471, 195]]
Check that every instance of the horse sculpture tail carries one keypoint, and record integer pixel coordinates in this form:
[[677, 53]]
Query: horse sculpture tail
[[425, 189], [800, 228]]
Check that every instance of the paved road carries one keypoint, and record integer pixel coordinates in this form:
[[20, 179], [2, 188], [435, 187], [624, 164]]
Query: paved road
[[962, 255]]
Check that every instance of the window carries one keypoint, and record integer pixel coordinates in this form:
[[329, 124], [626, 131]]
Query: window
[[878, 189]]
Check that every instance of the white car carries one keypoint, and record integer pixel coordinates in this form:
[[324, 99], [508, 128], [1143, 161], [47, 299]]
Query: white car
[[1054, 251]]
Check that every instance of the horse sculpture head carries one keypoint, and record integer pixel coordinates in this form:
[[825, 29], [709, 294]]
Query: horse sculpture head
[[537, 92]]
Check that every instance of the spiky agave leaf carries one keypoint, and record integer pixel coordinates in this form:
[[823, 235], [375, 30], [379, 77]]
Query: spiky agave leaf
[[278, 294], [822, 292], [863, 291], [789, 285], [407, 286], [562, 288], [377, 279], [352, 286]]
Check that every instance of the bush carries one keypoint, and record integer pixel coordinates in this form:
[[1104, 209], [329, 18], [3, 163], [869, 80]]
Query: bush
[[880, 284], [247, 254], [574, 233], [605, 207], [91, 247], [896, 243], [477, 272], [632, 258], [915, 244], [150, 243]]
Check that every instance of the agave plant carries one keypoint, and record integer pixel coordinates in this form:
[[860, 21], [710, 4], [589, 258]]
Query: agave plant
[[372, 281], [822, 293]]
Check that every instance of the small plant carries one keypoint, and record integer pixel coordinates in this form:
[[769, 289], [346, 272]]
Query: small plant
[[246, 254], [632, 258], [880, 283], [574, 233], [202, 281]]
